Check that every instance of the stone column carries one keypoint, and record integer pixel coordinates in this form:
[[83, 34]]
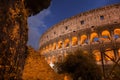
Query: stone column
[[14, 34], [13, 39]]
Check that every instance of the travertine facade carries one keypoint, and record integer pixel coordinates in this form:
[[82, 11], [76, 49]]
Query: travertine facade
[[96, 31]]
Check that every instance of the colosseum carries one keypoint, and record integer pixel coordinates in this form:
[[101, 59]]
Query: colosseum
[[96, 31]]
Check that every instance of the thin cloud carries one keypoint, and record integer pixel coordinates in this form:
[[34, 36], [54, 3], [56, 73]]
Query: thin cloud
[[38, 20], [36, 23]]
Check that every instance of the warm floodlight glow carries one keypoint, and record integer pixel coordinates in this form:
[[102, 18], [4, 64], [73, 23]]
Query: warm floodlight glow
[[109, 53], [106, 35], [51, 65], [117, 31], [97, 55], [74, 41], [54, 46], [83, 38], [66, 43], [59, 44], [92, 36]]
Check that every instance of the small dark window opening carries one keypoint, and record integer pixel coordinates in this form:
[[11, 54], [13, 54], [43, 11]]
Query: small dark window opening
[[92, 26], [82, 22], [66, 27], [54, 32], [101, 17], [73, 31]]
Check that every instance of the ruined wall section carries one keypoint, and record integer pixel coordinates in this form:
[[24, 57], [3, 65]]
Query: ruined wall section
[[94, 18]]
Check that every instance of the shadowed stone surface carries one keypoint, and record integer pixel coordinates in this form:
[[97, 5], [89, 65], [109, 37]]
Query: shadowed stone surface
[[14, 36]]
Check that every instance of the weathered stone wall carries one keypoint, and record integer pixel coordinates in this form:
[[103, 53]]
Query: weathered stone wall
[[36, 68], [13, 39], [93, 18], [96, 31]]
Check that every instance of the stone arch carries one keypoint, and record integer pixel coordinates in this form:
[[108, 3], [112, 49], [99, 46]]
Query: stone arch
[[43, 50], [74, 41], [85, 52], [50, 47], [45, 58], [66, 43], [97, 55], [59, 58], [53, 59], [83, 39], [117, 33], [65, 54], [60, 43], [109, 52], [46, 49], [94, 37], [105, 35], [54, 46], [49, 60]]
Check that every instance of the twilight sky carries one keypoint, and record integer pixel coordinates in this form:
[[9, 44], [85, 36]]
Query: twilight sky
[[58, 11]]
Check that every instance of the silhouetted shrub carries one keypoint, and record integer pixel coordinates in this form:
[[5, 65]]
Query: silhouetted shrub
[[80, 65], [116, 73]]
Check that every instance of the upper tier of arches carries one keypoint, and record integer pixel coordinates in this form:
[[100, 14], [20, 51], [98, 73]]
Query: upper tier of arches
[[93, 19]]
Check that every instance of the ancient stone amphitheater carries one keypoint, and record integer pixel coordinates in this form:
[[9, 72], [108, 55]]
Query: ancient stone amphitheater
[[96, 31]]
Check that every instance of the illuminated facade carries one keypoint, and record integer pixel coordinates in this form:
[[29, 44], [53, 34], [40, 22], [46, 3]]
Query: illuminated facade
[[96, 31]]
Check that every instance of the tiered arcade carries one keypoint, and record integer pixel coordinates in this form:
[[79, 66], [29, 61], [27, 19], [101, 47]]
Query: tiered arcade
[[96, 31]]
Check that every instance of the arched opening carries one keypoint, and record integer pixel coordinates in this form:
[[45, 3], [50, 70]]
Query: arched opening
[[66, 43], [50, 47], [85, 52], [74, 41], [43, 51], [54, 46], [116, 34], [97, 55], [105, 35], [46, 49], [94, 37], [83, 39], [65, 54], [59, 58], [45, 58], [48, 60], [109, 54], [53, 59], [59, 44]]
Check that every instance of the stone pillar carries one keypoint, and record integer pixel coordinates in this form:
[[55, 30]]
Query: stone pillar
[[78, 38], [13, 39], [14, 34]]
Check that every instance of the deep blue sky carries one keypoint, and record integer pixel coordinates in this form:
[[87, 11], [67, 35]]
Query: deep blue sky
[[58, 11]]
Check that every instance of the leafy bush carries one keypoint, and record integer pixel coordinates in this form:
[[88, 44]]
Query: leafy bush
[[80, 65]]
